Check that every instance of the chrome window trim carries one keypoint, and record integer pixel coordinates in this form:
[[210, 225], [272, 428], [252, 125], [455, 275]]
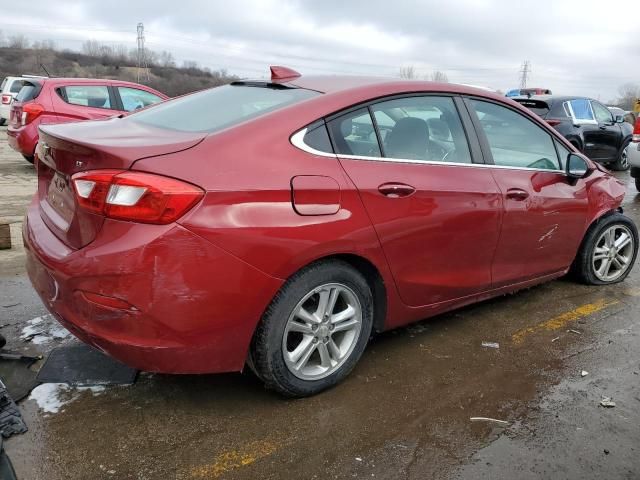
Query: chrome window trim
[[297, 140]]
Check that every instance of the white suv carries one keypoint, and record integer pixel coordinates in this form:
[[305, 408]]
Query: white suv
[[633, 153], [9, 90]]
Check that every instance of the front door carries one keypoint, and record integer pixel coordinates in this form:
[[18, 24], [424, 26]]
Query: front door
[[436, 213], [544, 212]]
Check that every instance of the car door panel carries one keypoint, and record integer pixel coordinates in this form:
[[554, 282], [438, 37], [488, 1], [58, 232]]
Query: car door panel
[[540, 232]]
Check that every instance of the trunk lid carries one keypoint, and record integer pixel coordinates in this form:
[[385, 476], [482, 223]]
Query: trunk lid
[[66, 149]]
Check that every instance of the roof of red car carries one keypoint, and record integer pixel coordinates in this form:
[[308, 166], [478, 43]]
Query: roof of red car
[[340, 83]]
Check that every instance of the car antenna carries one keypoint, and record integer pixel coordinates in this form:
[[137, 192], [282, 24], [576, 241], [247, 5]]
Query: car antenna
[[45, 70]]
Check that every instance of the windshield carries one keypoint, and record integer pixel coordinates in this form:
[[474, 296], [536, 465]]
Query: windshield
[[222, 107]]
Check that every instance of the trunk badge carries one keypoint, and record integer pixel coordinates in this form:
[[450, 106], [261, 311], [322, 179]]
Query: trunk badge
[[79, 163]]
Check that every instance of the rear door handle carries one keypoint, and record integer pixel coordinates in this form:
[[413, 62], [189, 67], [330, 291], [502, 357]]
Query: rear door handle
[[396, 190], [517, 194]]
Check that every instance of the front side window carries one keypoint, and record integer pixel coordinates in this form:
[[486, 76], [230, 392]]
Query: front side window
[[514, 140], [422, 128], [218, 108], [354, 134], [602, 113], [135, 99], [95, 96], [563, 153]]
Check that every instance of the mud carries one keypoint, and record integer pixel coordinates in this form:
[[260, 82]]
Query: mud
[[403, 413]]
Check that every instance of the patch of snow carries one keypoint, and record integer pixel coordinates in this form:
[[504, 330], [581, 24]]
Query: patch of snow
[[42, 330], [51, 397], [48, 396]]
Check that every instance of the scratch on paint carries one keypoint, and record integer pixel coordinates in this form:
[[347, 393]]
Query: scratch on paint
[[549, 234], [234, 459], [562, 320]]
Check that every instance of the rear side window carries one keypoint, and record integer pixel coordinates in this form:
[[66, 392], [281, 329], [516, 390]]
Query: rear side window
[[95, 96], [218, 108], [4, 82], [514, 140], [354, 134], [582, 111], [317, 138], [134, 98]]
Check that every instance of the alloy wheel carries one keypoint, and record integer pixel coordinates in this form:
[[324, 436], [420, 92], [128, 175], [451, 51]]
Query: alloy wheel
[[322, 331], [613, 253]]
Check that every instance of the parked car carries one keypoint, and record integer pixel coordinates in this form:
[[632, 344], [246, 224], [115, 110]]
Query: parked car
[[588, 125], [60, 100], [633, 153], [278, 223], [8, 91]]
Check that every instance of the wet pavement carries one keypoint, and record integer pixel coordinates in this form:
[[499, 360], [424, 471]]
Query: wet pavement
[[404, 413]]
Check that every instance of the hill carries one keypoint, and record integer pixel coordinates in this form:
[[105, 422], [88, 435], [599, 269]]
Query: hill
[[107, 63]]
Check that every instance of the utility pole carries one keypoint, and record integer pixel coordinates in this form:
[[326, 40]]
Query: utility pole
[[524, 73], [143, 70]]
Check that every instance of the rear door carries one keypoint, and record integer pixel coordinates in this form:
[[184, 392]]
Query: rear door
[[544, 212], [436, 213], [84, 102], [610, 132], [593, 135]]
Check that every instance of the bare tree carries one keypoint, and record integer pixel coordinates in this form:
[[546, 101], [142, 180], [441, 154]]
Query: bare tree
[[2, 42], [439, 76], [408, 72], [189, 65], [18, 41], [627, 95], [91, 48], [165, 59]]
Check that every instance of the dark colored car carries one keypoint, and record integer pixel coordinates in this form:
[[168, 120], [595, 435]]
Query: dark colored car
[[60, 100], [279, 223], [588, 125]]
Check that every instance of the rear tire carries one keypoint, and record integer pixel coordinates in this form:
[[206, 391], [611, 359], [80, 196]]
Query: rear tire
[[608, 251], [622, 164], [28, 158], [638, 184], [302, 345], [2, 122]]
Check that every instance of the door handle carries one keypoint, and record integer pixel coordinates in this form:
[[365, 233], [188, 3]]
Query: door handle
[[396, 190], [603, 127], [517, 194]]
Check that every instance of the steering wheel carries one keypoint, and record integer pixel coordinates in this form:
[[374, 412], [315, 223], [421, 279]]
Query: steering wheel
[[437, 151]]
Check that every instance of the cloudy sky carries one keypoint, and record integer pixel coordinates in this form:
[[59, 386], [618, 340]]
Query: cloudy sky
[[583, 47]]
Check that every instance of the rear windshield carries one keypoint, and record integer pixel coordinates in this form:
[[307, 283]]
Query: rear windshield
[[221, 107], [536, 106], [28, 92]]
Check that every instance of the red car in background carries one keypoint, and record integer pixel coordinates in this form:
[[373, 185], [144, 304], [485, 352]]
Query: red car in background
[[60, 100], [279, 223]]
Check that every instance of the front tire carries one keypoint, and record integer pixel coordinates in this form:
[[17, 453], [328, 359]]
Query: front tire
[[315, 330], [622, 164], [608, 251]]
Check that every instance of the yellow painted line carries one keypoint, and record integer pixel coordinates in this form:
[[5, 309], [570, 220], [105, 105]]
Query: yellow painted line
[[562, 320], [234, 459]]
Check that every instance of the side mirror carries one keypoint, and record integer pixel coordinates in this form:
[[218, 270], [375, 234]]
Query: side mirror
[[619, 118], [576, 166]]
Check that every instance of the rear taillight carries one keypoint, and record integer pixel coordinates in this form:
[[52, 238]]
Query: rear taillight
[[636, 132], [30, 112], [6, 99], [554, 123], [135, 196]]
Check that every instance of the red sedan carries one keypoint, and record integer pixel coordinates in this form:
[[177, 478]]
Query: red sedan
[[59, 100], [279, 223]]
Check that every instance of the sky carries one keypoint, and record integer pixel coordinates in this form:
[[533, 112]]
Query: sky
[[579, 47]]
